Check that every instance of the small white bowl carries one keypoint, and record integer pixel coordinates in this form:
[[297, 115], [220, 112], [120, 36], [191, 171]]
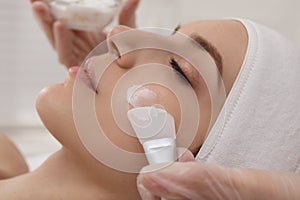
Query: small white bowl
[[87, 15]]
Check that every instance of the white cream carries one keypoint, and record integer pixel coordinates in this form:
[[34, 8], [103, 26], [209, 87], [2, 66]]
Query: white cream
[[139, 96], [86, 15]]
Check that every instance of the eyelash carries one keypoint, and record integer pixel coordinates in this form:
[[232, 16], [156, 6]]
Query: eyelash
[[178, 69], [175, 67]]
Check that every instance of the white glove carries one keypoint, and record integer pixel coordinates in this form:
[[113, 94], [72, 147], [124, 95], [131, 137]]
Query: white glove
[[72, 46], [197, 180]]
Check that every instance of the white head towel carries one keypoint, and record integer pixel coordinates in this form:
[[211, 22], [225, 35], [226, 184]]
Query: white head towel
[[259, 125]]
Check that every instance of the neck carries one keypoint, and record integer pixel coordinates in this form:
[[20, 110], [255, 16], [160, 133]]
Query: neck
[[66, 172]]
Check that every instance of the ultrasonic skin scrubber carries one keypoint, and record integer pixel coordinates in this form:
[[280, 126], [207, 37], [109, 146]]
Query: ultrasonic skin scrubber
[[154, 126]]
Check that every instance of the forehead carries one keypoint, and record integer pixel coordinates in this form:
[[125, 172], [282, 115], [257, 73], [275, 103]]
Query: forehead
[[139, 39], [190, 28]]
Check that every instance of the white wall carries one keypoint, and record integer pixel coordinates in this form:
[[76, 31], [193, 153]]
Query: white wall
[[28, 63], [281, 15]]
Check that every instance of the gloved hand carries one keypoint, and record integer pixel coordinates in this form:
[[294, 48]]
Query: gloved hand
[[197, 180], [72, 46]]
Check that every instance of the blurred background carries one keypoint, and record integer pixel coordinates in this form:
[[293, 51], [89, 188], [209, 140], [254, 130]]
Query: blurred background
[[28, 62]]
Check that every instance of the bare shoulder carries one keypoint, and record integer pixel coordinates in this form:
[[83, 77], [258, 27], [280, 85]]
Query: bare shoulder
[[12, 162], [14, 188]]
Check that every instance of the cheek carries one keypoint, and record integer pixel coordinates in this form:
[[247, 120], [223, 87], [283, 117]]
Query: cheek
[[164, 98], [106, 120], [112, 130], [204, 101], [167, 100], [49, 102], [105, 116]]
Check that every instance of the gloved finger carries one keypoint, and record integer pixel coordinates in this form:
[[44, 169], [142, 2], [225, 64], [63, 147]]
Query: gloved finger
[[127, 14], [184, 155], [97, 38], [44, 18], [83, 45], [189, 180], [88, 39], [195, 180], [262, 184], [63, 44], [31, 1], [145, 193]]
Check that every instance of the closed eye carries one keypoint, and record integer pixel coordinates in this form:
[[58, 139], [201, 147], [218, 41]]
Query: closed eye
[[174, 64]]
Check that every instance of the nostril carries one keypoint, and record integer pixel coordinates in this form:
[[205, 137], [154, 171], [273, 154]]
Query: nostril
[[127, 60], [113, 38], [114, 49], [120, 46]]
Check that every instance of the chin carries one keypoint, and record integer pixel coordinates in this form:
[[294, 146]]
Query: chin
[[54, 106]]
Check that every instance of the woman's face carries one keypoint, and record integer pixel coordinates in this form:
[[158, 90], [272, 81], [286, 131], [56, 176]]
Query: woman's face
[[54, 103]]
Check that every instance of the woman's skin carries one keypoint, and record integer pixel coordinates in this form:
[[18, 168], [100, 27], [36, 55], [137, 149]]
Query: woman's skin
[[72, 173], [12, 162]]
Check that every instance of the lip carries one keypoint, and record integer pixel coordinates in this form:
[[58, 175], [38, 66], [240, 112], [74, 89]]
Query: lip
[[86, 75], [71, 75], [73, 71]]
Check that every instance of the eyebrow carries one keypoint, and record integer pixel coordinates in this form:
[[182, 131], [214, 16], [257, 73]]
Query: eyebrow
[[210, 48], [207, 46]]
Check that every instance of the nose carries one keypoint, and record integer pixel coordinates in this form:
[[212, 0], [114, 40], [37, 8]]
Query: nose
[[118, 29], [117, 45]]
